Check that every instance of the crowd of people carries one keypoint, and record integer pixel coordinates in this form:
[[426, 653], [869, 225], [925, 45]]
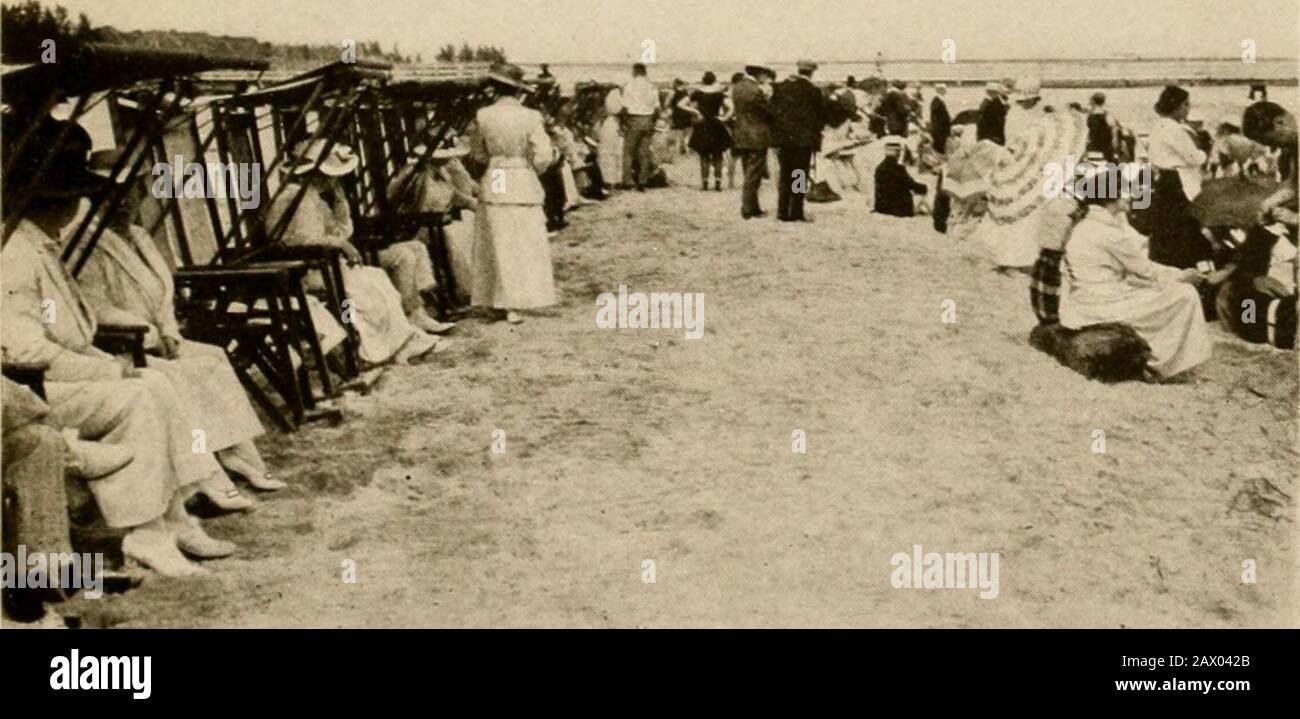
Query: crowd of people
[[149, 441]]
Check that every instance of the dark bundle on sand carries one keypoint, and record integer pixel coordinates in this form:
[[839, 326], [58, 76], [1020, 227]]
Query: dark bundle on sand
[[1110, 352]]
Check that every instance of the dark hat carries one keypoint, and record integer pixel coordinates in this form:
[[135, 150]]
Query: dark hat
[[1170, 99], [505, 73], [66, 176]]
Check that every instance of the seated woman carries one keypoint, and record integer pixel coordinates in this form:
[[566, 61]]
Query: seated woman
[[1108, 278], [323, 218], [441, 185], [128, 282]]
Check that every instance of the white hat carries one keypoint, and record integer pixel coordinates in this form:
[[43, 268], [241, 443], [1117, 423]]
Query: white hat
[[340, 161], [893, 141]]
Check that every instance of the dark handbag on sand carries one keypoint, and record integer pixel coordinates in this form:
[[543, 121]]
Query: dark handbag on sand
[[1109, 352]]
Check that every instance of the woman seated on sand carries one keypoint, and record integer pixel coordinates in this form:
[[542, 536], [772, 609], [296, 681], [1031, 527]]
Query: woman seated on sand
[[386, 332], [1108, 278], [127, 281]]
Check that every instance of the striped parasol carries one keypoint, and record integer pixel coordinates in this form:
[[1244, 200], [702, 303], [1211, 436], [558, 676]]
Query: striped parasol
[[1016, 184], [967, 169]]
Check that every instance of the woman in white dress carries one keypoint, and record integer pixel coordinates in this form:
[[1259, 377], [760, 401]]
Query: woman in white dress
[[512, 258], [385, 331], [610, 136], [1108, 278]]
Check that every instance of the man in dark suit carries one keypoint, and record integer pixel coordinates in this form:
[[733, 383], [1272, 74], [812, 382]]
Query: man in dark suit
[[992, 122], [895, 108], [799, 114], [753, 134], [940, 120], [894, 186]]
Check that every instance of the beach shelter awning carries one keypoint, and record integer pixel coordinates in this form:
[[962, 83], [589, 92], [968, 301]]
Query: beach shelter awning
[[94, 67]]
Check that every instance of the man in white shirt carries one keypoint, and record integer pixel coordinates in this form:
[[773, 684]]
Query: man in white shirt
[[640, 103]]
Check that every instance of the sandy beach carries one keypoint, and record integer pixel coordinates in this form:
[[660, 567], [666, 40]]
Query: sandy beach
[[623, 446]]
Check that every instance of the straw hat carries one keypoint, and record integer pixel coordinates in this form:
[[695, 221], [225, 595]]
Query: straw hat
[[340, 161], [1016, 184], [504, 73], [442, 153]]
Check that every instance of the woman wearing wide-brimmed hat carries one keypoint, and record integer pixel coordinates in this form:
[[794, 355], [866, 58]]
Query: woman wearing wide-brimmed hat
[[1176, 161], [384, 329], [512, 258]]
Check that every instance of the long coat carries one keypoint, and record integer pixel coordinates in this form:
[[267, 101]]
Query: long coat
[[129, 281], [1110, 279], [753, 116], [992, 122], [512, 257], [799, 113], [940, 123]]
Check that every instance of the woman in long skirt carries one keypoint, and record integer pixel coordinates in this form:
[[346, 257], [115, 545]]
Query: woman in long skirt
[[512, 258], [1176, 238]]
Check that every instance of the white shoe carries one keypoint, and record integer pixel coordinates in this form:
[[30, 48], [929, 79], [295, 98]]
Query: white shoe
[[191, 539], [417, 346], [423, 321], [229, 500], [156, 549]]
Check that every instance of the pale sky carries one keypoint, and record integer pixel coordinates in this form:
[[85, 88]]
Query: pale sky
[[773, 30]]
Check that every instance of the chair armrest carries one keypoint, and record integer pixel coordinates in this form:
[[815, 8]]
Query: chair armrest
[[30, 375], [123, 339]]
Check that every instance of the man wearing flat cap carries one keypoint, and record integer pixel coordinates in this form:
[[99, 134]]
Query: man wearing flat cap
[[753, 134], [799, 114]]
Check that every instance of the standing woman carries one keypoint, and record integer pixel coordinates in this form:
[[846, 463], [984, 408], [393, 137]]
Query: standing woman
[[710, 138], [1176, 238], [512, 260], [609, 153]]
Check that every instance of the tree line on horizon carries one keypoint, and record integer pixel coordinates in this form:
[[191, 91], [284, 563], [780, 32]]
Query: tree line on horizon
[[25, 25]]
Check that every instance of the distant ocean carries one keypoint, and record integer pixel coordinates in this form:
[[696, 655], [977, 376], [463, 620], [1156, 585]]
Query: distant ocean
[[1051, 72]]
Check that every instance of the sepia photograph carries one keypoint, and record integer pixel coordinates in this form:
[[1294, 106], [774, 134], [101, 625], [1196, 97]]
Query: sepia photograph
[[661, 314]]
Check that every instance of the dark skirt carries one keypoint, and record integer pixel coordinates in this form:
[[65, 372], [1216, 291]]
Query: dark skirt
[[1176, 238], [710, 137]]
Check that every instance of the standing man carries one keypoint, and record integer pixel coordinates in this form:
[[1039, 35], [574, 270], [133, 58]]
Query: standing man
[[940, 120], [992, 123], [799, 114], [751, 97], [640, 103], [896, 108]]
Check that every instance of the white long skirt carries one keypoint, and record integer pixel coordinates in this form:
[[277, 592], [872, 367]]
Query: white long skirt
[[512, 258], [207, 385], [1167, 316], [380, 321], [610, 152]]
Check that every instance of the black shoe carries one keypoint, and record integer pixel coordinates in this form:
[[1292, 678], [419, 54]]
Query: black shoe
[[639, 188]]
